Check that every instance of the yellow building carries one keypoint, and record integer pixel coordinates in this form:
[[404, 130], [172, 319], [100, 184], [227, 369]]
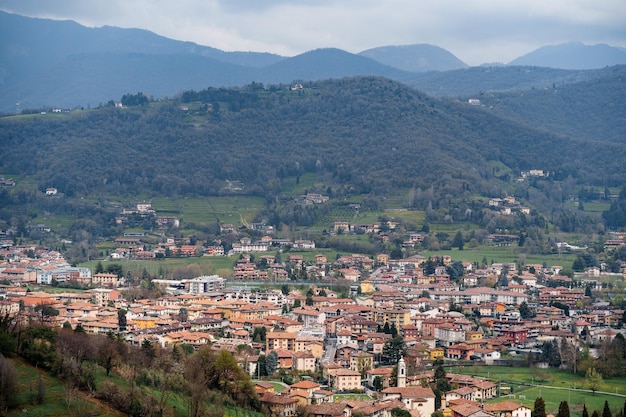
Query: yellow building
[[367, 287], [436, 353], [308, 345], [399, 317], [361, 362], [145, 322], [470, 336], [280, 340]]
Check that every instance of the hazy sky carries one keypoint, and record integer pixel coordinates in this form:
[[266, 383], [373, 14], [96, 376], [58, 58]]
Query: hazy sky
[[476, 31]]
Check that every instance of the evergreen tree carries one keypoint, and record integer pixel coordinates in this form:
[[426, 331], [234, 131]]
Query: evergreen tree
[[524, 310], [121, 319], [585, 412], [271, 362], [606, 412], [563, 409], [458, 241], [539, 410]]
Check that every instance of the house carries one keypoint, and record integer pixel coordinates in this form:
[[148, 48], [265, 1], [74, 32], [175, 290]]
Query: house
[[414, 398], [485, 390], [466, 393], [280, 340], [51, 191], [383, 373], [508, 409], [278, 405], [306, 389], [304, 362], [344, 379], [327, 410], [104, 280], [468, 409], [361, 362], [487, 355]]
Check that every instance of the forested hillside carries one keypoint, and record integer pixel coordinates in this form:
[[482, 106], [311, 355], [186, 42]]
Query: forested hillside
[[478, 80], [360, 135], [592, 110]]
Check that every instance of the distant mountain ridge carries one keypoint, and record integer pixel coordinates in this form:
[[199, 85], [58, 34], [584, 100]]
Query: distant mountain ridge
[[47, 63], [574, 56], [415, 58]]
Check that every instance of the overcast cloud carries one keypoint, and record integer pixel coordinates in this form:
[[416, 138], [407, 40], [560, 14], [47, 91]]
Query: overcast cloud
[[476, 31]]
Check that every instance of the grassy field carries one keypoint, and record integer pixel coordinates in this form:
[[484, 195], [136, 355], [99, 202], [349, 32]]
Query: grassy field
[[222, 265], [553, 385], [349, 397], [56, 397], [503, 254], [171, 267], [201, 211]]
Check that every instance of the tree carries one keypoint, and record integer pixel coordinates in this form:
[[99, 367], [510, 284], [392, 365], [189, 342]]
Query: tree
[[578, 265], [377, 383], [524, 310], [563, 409], [183, 315], [259, 334], [539, 410], [396, 253], [46, 311], [41, 389], [271, 362], [9, 380], [585, 412], [394, 349], [261, 366], [441, 382], [593, 379], [399, 412], [7, 338], [121, 319], [458, 240], [107, 353], [606, 411], [550, 353]]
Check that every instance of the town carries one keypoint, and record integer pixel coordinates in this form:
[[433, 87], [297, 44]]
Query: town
[[382, 336]]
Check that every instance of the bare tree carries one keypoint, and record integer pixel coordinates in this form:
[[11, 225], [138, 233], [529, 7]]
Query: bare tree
[[9, 379]]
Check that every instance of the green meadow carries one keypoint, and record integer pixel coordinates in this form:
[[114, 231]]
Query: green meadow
[[554, 385]]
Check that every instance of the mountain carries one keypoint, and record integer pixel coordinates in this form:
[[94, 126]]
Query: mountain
[[45, 40], [355, 136], [478, 80], [415, 58], [573, 55], [591, 110], [63, 64], [326, 63], [48, 64]]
